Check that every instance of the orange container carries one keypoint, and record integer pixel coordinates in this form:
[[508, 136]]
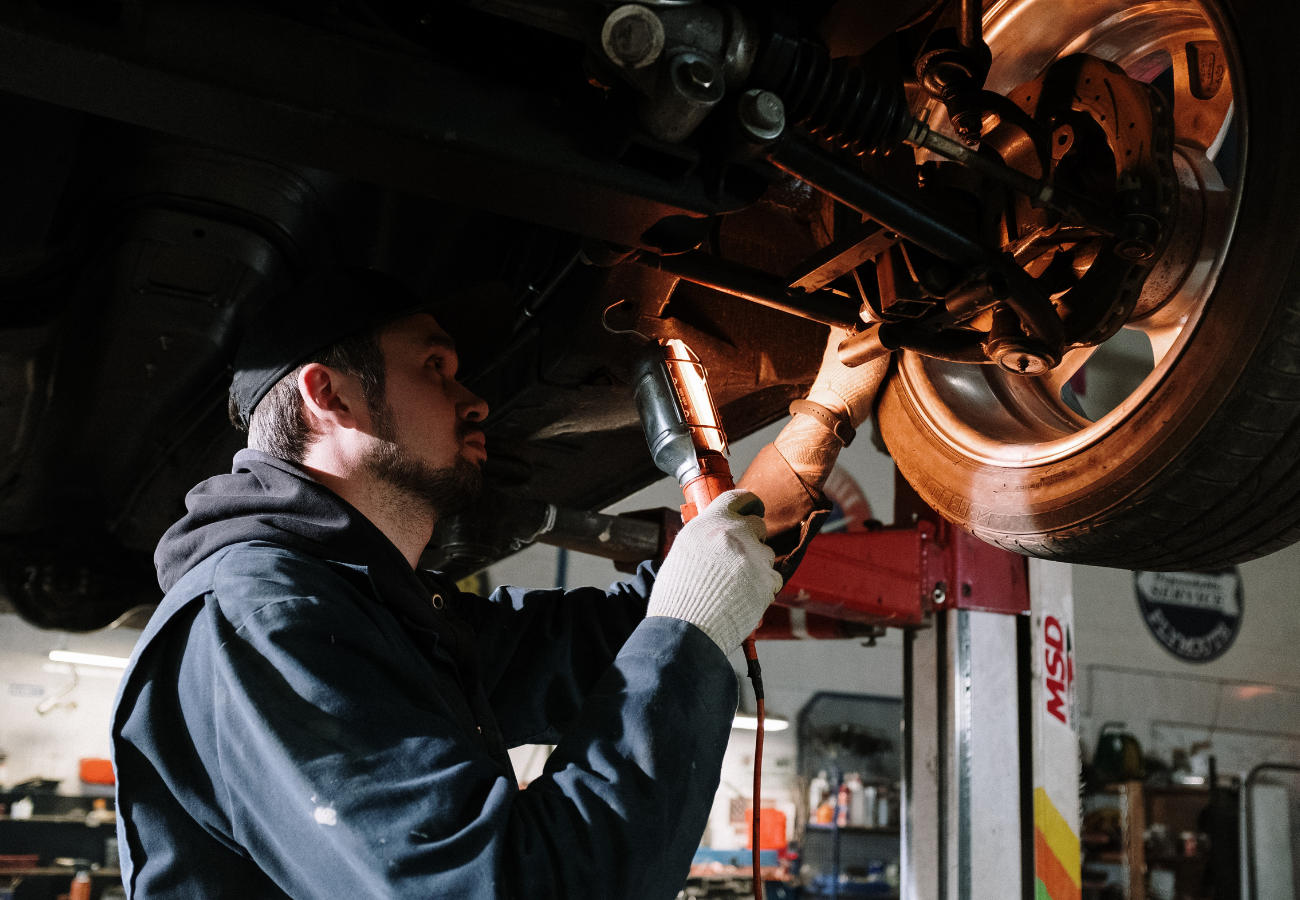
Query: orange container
[[771, 830], [97, 771]]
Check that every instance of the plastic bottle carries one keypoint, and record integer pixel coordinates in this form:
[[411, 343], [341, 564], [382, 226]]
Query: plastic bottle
[[842, 805], [817, 792], [80, 889], [869, 794], [857, 800]]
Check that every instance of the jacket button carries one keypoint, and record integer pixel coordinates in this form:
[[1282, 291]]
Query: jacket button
[[437, 601]]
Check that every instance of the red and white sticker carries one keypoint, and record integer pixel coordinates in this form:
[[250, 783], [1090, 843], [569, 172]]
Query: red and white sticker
[[1058, 670]]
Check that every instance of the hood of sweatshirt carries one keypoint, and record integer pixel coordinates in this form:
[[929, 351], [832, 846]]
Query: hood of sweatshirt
[[267, 499]]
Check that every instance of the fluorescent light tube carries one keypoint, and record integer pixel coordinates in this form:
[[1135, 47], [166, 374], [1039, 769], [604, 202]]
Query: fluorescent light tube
[[750, 723], [88, 659]]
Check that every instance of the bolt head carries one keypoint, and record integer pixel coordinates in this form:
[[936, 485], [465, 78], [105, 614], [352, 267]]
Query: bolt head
[[762, 114], [632, 36], [1134, 248]]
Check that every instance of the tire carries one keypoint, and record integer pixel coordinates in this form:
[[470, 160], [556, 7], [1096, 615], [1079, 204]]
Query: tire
[[1200, 466]]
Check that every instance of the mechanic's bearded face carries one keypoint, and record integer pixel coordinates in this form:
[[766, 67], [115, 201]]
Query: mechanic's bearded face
[[427, 440]]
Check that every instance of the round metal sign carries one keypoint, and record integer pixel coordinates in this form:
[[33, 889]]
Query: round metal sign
[[1194, 615]]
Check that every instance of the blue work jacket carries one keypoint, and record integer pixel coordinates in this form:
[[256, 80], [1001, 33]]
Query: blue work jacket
[[306, 716]]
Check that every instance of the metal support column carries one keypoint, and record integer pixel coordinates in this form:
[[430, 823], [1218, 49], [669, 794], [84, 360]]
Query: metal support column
[[963, 830], [1055, 810]]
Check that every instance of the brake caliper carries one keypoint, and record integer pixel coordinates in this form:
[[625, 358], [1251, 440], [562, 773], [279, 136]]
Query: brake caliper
[[1110, 137]]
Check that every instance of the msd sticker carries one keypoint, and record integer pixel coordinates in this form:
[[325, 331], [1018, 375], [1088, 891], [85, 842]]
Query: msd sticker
[[1058, 671]]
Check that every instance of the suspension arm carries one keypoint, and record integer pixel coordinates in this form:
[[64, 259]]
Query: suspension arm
[[851, 186], [750, 284]]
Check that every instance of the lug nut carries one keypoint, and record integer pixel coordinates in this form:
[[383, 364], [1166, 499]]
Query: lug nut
[[633, 36], [1136, 239], [1023, 362], [762, 114]]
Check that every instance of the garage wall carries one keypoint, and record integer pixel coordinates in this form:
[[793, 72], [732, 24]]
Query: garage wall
[[76, 702], [1246, 703]]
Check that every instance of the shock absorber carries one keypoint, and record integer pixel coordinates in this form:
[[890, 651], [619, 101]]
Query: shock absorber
[[844, 104]]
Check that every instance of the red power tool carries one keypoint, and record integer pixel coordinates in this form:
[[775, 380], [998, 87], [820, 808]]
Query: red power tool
[[687, 442]]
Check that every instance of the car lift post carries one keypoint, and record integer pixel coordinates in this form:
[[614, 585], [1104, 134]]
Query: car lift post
[[990, 745]]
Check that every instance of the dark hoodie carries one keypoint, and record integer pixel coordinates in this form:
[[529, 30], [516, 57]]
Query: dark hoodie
[[306, 716]]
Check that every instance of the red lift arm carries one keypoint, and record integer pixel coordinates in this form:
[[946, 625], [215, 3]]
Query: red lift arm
[[894, 576]]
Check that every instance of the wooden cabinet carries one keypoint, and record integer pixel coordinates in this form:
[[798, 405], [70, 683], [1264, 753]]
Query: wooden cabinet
[[1159, 843]]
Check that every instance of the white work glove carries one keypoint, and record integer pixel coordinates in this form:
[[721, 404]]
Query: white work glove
[[840, 388], [718, 575], [806, 444]]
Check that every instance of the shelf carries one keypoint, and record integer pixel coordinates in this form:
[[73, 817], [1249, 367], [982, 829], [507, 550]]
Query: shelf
[[853, 829], [78, 818], [1158, 790], [1115, 856]]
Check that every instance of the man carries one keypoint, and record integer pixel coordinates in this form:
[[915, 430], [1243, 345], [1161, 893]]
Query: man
[[307, 715]]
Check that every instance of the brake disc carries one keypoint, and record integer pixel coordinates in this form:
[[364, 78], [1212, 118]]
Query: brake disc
[[1110, 135]]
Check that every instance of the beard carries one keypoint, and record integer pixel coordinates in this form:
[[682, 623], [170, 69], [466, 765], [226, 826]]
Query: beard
[[443, 491]]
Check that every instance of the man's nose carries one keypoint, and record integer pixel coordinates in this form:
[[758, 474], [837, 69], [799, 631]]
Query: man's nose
[[471, 407]]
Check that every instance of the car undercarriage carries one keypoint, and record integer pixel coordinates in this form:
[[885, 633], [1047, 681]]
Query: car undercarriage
[[986, 194]]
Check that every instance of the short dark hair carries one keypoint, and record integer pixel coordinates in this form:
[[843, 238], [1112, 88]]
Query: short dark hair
[[279, 425]]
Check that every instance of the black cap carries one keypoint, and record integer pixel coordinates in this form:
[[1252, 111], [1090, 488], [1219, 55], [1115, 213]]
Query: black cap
[[326, 307]]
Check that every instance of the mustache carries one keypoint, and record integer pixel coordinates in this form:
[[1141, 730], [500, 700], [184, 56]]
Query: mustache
[[464, 428]]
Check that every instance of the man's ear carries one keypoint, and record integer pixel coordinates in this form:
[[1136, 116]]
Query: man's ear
[[331, 399]]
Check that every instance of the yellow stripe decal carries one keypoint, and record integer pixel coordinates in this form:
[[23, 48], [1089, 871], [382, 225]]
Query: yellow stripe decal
[[1058, 835]]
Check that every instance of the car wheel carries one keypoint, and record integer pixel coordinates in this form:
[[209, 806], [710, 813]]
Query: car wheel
[[1192, 460]]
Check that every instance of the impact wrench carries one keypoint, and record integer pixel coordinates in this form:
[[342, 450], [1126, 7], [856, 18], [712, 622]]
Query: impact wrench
[[687, 442]]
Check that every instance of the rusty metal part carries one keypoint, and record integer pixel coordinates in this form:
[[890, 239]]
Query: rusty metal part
[[1072, 207], [843, 255], [952, 68], [1009, 347], [971, 30], [1138, 129], [1132, 115], [991, 417], [901, 294], [750, 284], [899, 213], [865, 346], [883, 338]]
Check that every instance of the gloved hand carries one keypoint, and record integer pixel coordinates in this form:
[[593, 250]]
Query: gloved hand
[[844, 389], [806, 443], [718, 575]]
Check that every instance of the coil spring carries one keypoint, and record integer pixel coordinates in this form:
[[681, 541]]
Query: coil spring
[[844, 105]]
